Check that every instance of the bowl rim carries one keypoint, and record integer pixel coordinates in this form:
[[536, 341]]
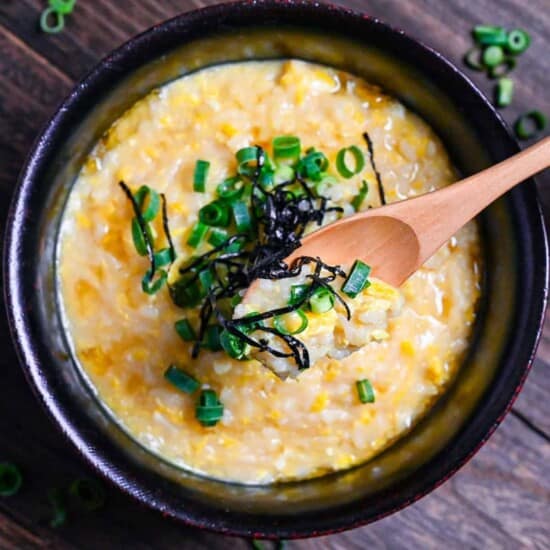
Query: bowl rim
[[19, 316]]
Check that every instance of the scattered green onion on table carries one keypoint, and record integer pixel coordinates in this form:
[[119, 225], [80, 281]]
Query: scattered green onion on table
[[10, 479], [505, 92], [58, 503], [52, 20], [89, 494], [530, 123], [496, 52]]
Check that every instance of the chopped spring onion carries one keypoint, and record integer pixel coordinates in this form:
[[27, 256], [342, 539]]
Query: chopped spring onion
[[247, 328], [493, 56], [181, 380], [213, 338], [230, 188], [185, 330], [365, 391], [286, 148], [517, 41], [64, 7], [266, 178], [217, 236], [357, 280], [247, 159], [504, 92], [283, 174], [163, 257], [149, 202], [197, 234], [507, 66], [473, 59], [216, 213], [49, 26], [297, 293], [247, 193], [357, 201], [59, 507], [200, 175], [358, 157], [185, 295], [313, 166], [137, 237], [529, 124], [269, 164], [150, 285], [235, 246], [89, 494], [322, 187], [241, 215], [208, 410], [206, 279], [233, 345], [282, 322], [322, 300], [489, 35], [236, 300], [10, 479]]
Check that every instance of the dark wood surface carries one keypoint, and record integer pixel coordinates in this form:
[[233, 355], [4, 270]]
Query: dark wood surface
[[501, 499]]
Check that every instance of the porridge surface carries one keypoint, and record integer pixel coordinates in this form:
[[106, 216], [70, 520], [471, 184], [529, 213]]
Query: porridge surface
[[124, 339]]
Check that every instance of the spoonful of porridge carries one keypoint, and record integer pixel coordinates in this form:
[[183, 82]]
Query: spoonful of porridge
[[389, 244]]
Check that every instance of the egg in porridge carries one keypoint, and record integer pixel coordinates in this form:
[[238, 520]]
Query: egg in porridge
[[205, 186]]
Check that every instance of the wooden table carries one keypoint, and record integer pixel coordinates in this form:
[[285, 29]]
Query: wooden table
[[501, 499]]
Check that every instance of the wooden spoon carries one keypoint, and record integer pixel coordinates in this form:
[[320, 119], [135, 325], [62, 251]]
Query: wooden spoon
[[395, 240]]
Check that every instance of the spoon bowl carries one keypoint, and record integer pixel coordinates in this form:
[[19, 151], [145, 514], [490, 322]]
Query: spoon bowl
[[373, 237], [395, 240]]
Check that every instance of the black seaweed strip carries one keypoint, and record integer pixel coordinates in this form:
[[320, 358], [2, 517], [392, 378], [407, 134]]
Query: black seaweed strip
[[206, 255], [282, 217], [166, 227], [370, 146]]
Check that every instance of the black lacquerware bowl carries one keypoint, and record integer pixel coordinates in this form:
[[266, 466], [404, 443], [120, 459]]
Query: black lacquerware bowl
[[515, 287]]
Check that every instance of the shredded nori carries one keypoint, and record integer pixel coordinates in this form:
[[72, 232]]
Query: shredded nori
[[370, 147], [149, 244], [280, 214], [166, 227]]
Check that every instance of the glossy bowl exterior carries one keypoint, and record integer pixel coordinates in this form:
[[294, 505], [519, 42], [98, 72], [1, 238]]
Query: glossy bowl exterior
[[515, 290]]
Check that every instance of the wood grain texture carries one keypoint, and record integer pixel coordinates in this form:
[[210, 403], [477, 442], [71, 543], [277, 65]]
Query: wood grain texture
[[499, 500], [503, 490]]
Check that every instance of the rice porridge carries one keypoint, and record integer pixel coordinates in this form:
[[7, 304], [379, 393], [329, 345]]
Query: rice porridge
[[265, 417]]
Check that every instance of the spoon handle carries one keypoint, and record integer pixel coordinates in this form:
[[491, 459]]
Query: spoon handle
[[442, 213]]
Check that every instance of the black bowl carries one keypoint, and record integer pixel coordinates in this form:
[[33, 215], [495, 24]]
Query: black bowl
[[515, 257]]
